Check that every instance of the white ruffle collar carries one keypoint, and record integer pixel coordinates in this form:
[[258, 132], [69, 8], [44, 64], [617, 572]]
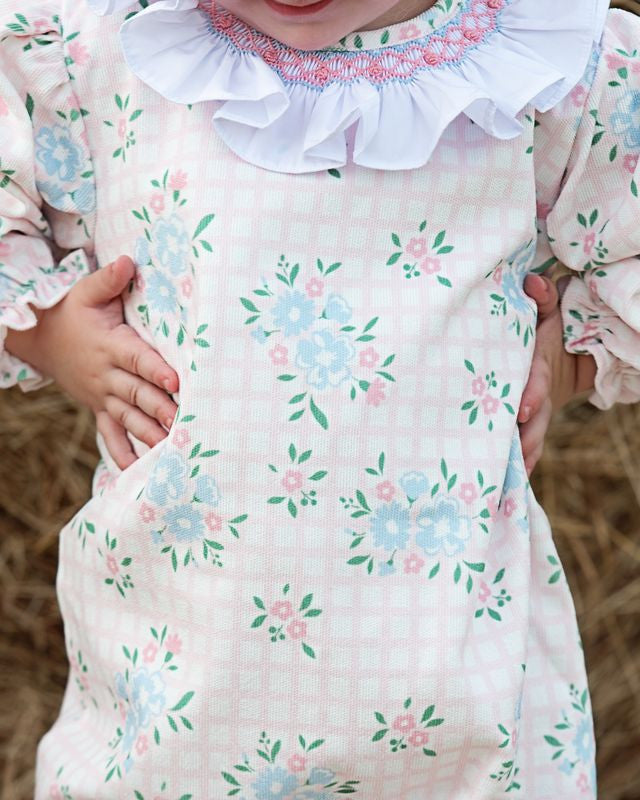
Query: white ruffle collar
[[289, 110]]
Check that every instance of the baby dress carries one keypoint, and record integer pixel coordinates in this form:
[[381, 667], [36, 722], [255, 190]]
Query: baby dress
[[332, 577]]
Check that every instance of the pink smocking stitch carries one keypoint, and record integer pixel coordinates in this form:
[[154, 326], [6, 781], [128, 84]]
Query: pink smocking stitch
[[318, 68]]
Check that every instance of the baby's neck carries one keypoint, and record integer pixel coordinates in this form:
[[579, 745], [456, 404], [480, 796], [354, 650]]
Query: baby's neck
[[402, 11]]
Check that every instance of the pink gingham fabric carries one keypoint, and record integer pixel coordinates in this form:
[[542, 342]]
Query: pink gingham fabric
[[332, 577]]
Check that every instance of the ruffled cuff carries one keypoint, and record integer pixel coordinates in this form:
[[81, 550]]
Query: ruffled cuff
[[41, 290], [591, 327]]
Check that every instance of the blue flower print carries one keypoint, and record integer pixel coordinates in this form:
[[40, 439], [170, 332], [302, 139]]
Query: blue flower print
[[583, 741], [207, 490], [259, 334], [84, 197], [52, 193], [58, 153], [413, 484], [141, 252], [566, 767], [442, 527], [320, 776], [626, 119], [161, 293], [168, 479], [185, 523], [310, 794], [515, 471], [274, 783], [147, 695], [121, 686], [130, 731], [172, 244], [385, 568], [513, 290], [325, 358], [293, 313], [390, 526], [337, 308]]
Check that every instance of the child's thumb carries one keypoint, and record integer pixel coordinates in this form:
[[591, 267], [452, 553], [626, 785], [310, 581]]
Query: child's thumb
[[109, 282]]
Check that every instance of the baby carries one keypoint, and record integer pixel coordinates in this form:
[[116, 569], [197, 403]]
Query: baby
[[312, 564]]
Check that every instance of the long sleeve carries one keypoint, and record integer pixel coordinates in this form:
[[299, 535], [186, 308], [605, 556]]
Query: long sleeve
[[47, 194], [592, 209]]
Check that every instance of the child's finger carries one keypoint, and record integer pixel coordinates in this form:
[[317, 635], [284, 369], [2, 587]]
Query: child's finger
[[131, 353], [532, 433], [135, 391], [538, 388], [116, 440], [135, 421], [544, 292], [105, 284]]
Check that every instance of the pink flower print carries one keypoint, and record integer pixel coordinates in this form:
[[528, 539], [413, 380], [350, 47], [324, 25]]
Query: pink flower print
[[314, 287], [369, 357], [615, 61], [112, 565], [122, 128], [54, 792], [142, 744], [404, 723], [485, 592], [410, 31], [589, 241], [413, 564], [181, 437], [178, 180], [78, 52], [430, 265], [149, 652], [492, 507], [147, 513], [490, 404], [73, 661], [578, 96], [375, 392], [582, 783], [186, 287], [282, 609], [40, 25], [385, 491], [292, 480], [636, 67], [122, 710], [417, 248], [468, 492], [5, 249], [478, 386], [630, 163], [509, 506], [4, 108], [497, 275], [514, 738], [296, 763], [418, 738], [297, 629], [84, 682], [66, 278], [157, 203], [213, 521], [279, 355], [173, 644]]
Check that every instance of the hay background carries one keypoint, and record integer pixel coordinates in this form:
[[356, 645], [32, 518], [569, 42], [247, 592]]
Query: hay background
[[588, 482]]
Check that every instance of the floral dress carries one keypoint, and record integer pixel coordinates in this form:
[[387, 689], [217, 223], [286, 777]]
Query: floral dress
[[332, 577]]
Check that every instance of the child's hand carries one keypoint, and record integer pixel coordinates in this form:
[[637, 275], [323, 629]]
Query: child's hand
[[556, 375], [84, 344]]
